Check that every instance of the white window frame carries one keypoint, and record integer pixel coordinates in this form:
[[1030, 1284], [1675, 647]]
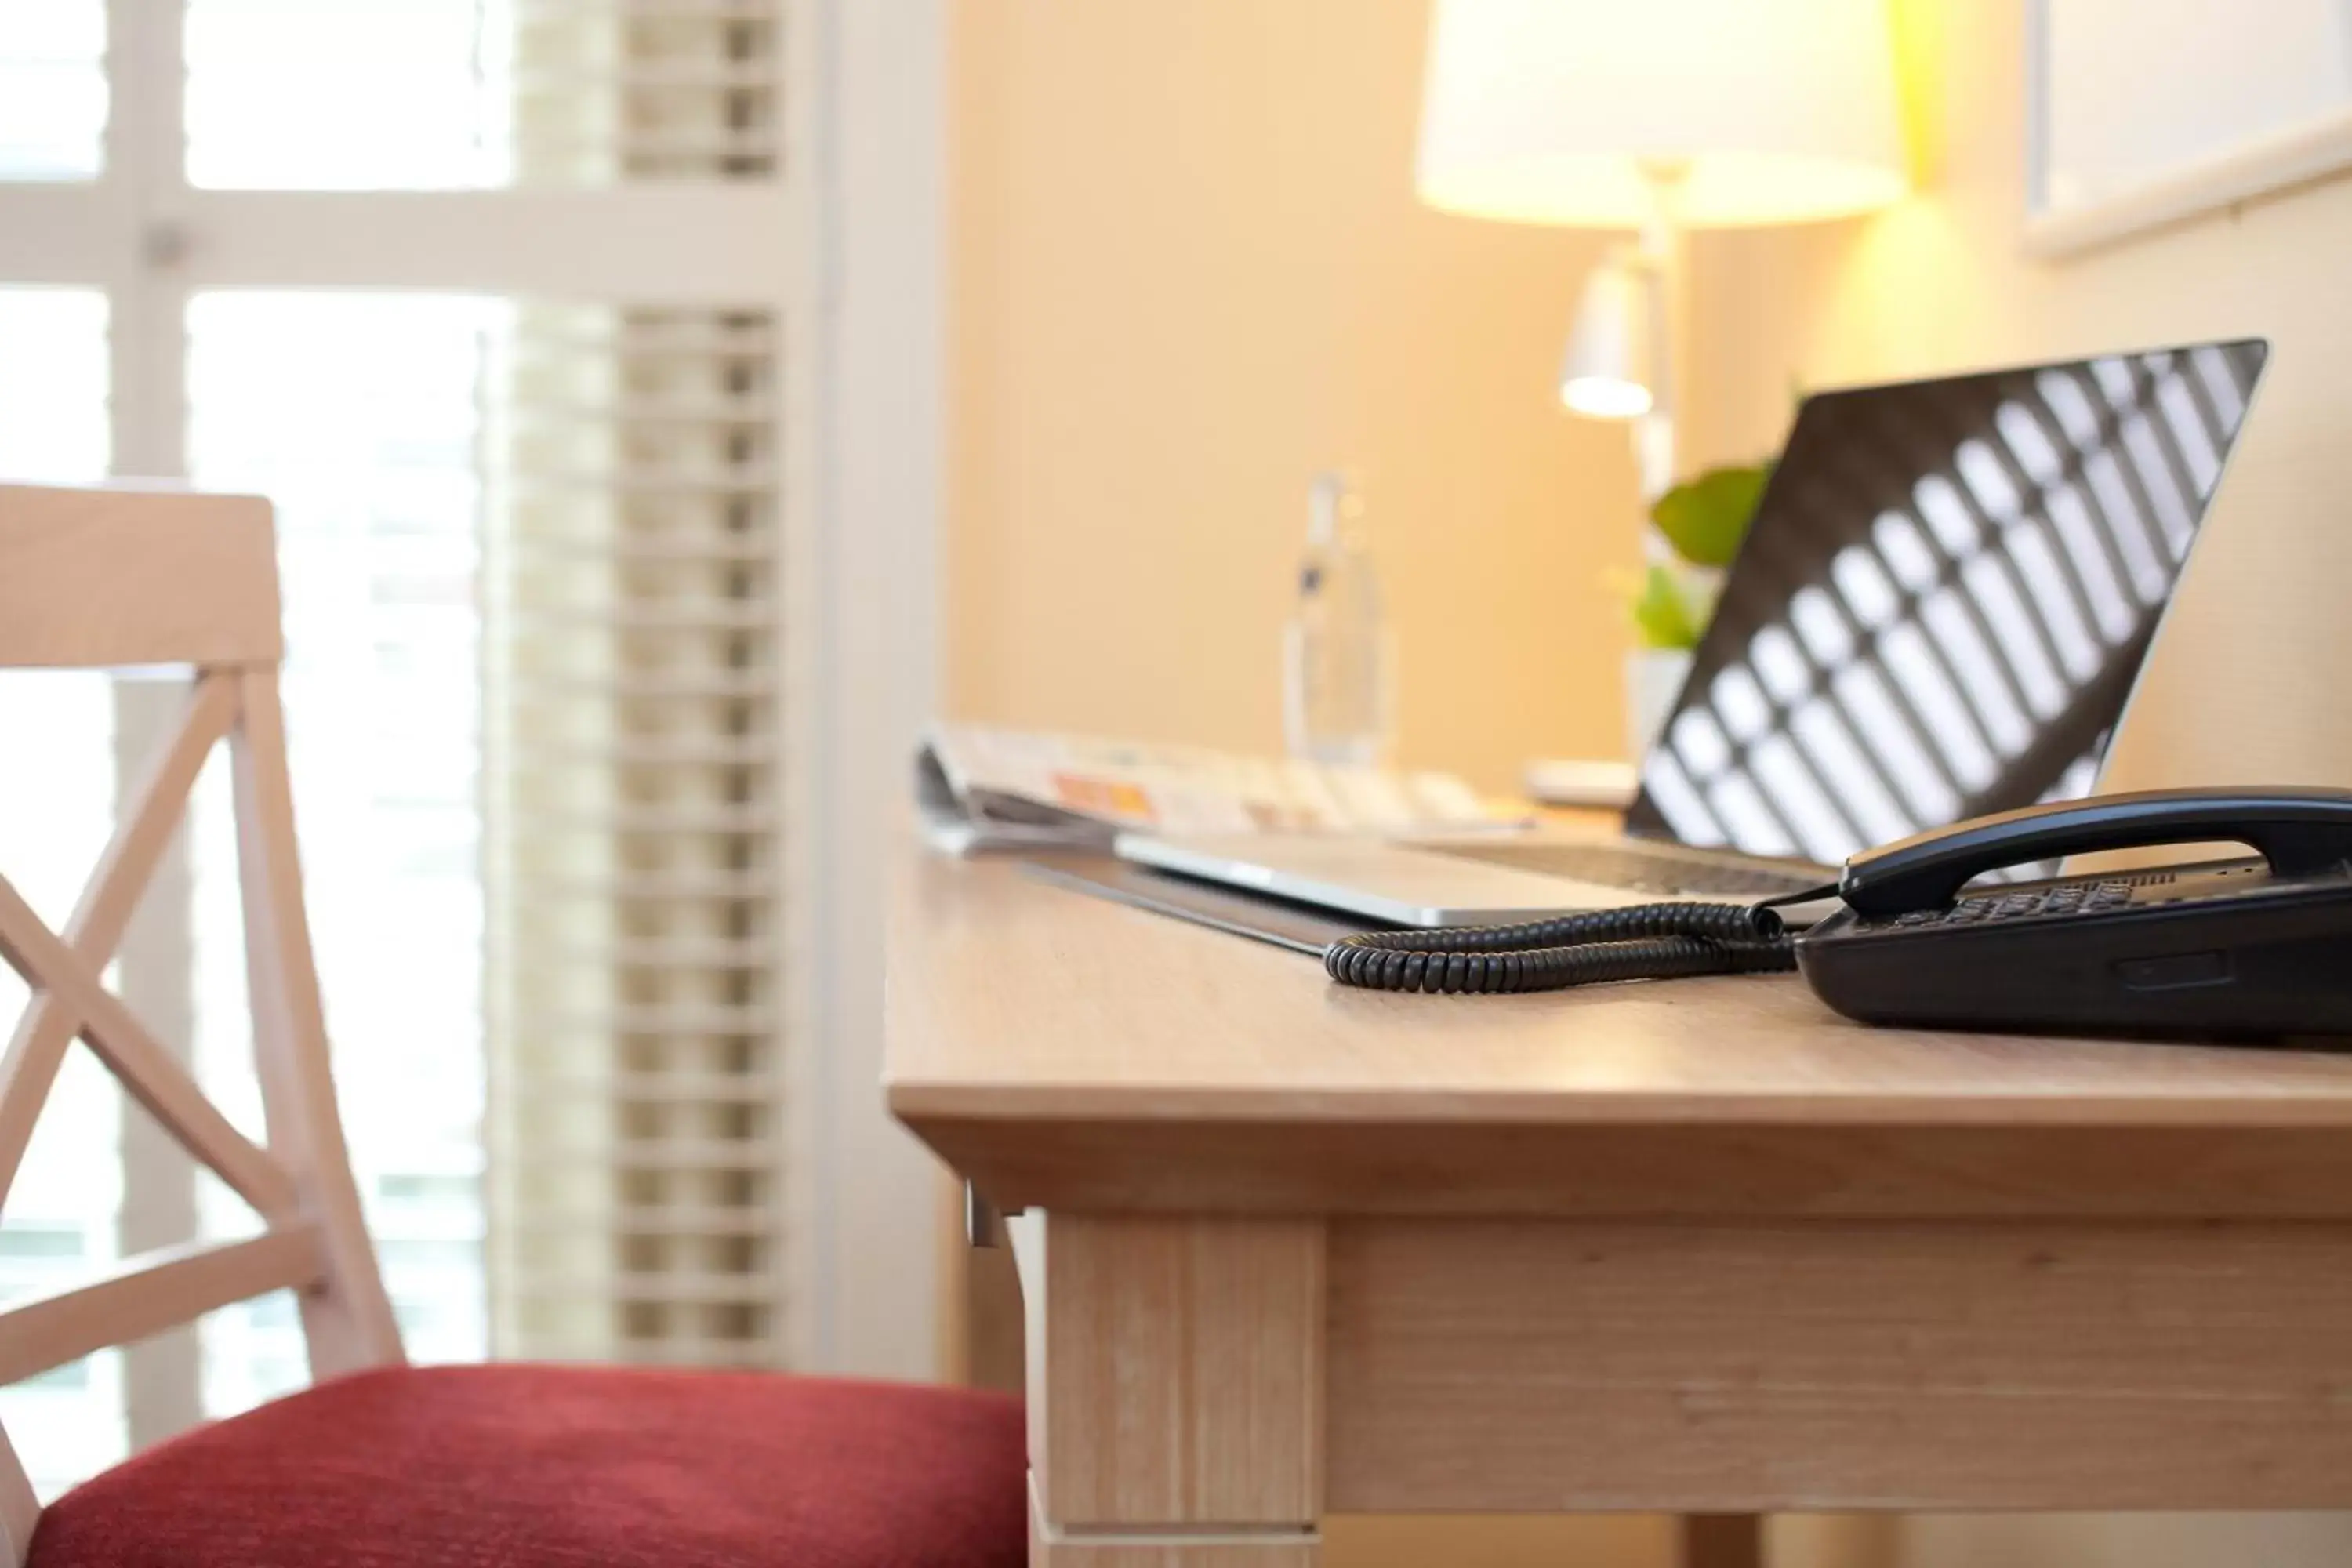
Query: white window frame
[[882, 397], [859, 286]]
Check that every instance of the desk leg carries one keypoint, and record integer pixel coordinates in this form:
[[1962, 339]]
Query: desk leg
[[1723, 1541], [1175, 1391]]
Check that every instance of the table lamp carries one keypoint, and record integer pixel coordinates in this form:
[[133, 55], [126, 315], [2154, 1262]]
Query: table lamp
[[1656, 116]]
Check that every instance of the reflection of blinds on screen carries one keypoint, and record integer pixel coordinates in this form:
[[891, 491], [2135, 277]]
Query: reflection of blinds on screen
[[1947, 595]]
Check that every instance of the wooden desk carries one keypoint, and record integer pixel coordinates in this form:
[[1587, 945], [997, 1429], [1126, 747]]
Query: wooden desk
[[1692, 1248]]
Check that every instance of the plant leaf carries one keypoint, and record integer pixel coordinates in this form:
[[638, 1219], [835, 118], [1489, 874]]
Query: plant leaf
[[1661, 615], [1706, 518]]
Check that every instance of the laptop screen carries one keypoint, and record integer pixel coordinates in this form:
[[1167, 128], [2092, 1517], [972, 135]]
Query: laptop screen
[[1944, 599]]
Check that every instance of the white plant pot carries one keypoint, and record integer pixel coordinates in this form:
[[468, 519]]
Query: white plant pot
[[1654, 678]]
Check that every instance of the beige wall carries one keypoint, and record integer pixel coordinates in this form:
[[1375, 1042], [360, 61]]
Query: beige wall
[[2246, 685], [1188, 271], [2240, 688]]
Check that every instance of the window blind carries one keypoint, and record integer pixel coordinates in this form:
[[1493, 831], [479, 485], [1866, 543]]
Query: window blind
[[632, 668], [642, 90], [614, 461], [633, 618]]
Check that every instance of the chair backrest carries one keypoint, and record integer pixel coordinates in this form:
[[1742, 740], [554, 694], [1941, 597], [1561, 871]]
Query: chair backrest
[[123, 576]]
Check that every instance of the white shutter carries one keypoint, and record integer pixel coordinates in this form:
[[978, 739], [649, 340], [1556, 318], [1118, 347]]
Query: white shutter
[[646, 90], [619, 190], [633, 663]]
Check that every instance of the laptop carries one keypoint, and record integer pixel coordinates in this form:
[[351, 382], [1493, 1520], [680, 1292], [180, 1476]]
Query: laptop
[[1940, 609]]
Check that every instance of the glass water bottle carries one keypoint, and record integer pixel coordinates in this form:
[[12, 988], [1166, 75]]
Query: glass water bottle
[[1337, 697]]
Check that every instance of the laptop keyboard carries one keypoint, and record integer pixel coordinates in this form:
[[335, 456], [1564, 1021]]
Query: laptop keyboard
[[1641, 871]]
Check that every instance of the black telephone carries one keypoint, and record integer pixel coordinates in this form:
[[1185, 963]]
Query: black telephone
[[2240, 947]]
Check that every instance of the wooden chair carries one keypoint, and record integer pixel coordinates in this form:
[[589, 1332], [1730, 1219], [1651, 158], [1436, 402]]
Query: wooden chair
[[378, 1463]]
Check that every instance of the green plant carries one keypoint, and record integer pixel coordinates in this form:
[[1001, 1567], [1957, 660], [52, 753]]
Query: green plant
[[1704, 518], [1663, 613]]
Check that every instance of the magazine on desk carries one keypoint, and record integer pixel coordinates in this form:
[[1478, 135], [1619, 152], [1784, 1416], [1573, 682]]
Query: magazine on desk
[[983, 788]]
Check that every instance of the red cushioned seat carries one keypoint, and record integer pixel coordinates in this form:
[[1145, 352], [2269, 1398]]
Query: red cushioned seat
[[482, 1467]]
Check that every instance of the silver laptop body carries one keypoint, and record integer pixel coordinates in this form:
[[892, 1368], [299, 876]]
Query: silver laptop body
[[1940, 610]]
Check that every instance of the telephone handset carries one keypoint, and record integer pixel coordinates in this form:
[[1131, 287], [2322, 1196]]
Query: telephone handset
[[2258, 946], [2255, 946], [2298, 832]]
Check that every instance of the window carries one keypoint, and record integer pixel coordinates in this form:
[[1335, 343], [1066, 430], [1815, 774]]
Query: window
[[533, 541], [59, 1213], [391, 94], [379, 514], [52, 89]]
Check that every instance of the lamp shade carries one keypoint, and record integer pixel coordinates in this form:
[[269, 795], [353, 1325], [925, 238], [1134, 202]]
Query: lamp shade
[[1560, 111]]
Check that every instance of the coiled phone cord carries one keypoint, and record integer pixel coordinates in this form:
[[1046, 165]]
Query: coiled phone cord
[[1646, 941]]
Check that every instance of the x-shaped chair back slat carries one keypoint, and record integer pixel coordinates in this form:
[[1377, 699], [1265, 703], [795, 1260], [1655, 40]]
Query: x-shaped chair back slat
[[122, 576], [68, 999]]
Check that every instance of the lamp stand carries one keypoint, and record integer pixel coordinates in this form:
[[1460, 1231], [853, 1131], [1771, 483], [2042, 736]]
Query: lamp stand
[[1664, 259]]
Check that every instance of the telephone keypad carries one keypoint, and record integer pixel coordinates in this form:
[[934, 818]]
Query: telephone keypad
[[2001, 909], [2060, 900]]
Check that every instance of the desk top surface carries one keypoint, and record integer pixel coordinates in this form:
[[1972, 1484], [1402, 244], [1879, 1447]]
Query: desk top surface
[[1076, 1029]]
